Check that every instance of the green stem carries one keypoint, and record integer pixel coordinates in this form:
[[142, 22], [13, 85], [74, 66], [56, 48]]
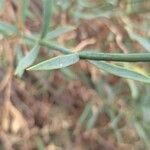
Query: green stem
[[132, 57], [55, 46], [92, 55], [49, 45]]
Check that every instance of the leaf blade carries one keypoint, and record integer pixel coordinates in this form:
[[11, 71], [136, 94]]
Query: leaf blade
[[59, 31], [121, 71], [46, 16], [7, 29], [56, 62], [145, 43], [27, 60], [25, 5]]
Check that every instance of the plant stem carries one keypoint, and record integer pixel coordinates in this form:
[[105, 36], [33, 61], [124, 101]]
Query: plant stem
[[132, 57], [48, 44], [55, 46], [92, 55]]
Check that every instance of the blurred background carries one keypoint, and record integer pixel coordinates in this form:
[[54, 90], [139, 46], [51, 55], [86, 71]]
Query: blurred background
[[78, 107]]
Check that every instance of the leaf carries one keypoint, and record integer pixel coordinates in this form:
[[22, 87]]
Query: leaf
[[7, 29], [142, 134], [27, 60], [85, 3], [89, 16], [103, 11], [69, 74], [59, 31], [2, 5], [46, 16], [56, 63], [63, 4], [25, 4], [92, 120], [121, 71], [18, 52], [141, 40], [40, 144], [86, 114]]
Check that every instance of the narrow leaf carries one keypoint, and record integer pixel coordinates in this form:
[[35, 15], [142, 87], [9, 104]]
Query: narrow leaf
[[2, 5], [47, 6], [85, 114], [59, 31], [25, 4], [18, 52], [56, 63], [121, 71], [7, 29], [27, 61], [141, 40]]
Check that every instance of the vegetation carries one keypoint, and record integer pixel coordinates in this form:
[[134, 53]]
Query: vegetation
[[60, 68]]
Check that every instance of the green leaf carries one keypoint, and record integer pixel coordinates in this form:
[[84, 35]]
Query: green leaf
[[25, 4], [69, 74], [46, 16], [121, 71], [27, 60], [141, 40], [7, 29], [56, 62], [92, 120], [103, 11], [63, 4], [85, 3], [39, 143], [59, 31], [142, 134], [18, 52], [86, 114], [2, 5]]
